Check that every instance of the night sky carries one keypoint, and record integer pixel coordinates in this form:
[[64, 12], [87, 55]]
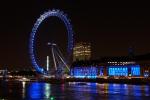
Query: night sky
[[110, 30]]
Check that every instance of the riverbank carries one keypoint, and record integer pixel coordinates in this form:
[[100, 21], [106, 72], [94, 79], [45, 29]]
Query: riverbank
[[100, 80], [96, 80]]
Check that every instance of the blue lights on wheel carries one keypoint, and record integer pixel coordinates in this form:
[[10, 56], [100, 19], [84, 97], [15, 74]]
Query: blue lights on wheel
[[51, 13]]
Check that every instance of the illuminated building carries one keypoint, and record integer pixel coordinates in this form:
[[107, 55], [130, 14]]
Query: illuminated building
[[82, 51], [84, 72], [87, 69], [123, 68], [126, 70], [113, 67], [90, 69], [121, 62], [145, 70]]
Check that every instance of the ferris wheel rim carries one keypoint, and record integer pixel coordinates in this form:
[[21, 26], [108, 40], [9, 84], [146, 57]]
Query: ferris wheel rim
[[51, 13]]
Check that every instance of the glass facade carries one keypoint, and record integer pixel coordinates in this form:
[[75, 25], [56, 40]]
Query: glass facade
[[118, 71], [84, 72], [135, 70], [115, 70]]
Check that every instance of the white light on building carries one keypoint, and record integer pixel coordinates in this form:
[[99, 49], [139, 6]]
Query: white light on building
[[47, 65], [82, 51]]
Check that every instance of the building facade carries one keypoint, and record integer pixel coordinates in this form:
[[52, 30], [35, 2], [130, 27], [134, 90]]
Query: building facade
[[110, 69], [82, 51]]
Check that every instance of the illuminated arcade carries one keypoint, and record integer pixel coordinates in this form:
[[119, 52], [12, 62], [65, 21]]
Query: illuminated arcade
[[129, 70], [86, 69], [84, 72]]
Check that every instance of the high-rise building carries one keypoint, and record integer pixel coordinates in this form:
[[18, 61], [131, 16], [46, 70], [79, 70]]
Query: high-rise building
[[82, 51]]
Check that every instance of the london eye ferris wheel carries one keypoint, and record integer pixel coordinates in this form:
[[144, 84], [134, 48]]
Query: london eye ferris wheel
[[51, 13]]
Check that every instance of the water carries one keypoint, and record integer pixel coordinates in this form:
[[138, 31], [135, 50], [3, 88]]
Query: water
[[72, 91]]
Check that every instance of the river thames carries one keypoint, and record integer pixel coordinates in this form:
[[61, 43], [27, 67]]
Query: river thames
[[72, 91]]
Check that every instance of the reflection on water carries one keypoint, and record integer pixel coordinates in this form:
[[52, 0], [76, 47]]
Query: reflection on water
[[38, 90], [72, 91]]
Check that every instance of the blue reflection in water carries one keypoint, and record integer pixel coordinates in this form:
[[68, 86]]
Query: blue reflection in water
[[73, 91], [83, 91], [87, 91], [124, 91], [39, 90]]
